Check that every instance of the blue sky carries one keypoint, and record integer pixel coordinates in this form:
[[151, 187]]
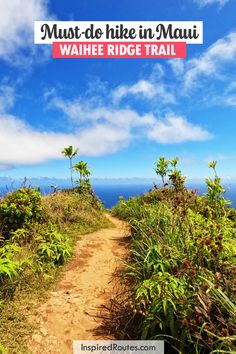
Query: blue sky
[[121, 113]]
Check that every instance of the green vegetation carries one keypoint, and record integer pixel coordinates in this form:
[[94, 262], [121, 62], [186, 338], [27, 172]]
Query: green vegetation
[[181, 271], [161, 168], [19, 209], [37, 235], [70, 153], [82, 168], [75, 210]]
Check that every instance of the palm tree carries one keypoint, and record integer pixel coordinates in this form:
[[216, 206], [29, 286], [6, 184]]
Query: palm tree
[[82, 168], [70, 153]]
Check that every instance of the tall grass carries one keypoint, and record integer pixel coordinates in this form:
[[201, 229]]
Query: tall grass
[[181, 269]]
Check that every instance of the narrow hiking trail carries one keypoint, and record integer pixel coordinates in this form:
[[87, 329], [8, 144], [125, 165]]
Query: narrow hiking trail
[[72, 309]]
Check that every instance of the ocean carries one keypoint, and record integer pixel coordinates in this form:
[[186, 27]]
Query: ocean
[[109, 193]]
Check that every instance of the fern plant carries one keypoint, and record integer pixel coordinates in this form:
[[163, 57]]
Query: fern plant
[[53, 247], [9, 269]]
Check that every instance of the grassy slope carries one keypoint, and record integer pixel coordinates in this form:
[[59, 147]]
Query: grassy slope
[[73, 214], [181, 272]]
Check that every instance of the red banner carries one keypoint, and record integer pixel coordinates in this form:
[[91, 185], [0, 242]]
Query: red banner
[[119, 50]]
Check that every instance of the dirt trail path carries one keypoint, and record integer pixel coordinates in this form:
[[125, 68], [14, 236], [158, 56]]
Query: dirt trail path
[[72, 308]]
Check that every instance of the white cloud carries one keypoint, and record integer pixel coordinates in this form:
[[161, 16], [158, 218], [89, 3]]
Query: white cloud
[[16, 27], [96, 131], [203, 3], [102, 139], [82, 112], [229, 100], [158, 72], [97, 128], [228, 96], [146, 89], [107, 132], [109, 129], [7, 97], [21, 144], [174, 129], [211, 61], [177, 65], [210, 75], [151, 88]]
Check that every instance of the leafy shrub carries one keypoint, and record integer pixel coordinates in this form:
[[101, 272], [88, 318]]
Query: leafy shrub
[[181, 267], [9, 268], [53, 248], [20, 208], [82, 168], [20, 236], [215, 192], [131, 209]]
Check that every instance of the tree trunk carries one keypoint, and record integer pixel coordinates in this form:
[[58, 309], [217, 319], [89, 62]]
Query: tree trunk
[[163, 181], [71, 177]]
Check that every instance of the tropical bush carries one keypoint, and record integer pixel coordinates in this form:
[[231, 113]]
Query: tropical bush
[[181, 270], [38, 232], [82, 168], [20, 208], [53, 248], [10, 269]]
